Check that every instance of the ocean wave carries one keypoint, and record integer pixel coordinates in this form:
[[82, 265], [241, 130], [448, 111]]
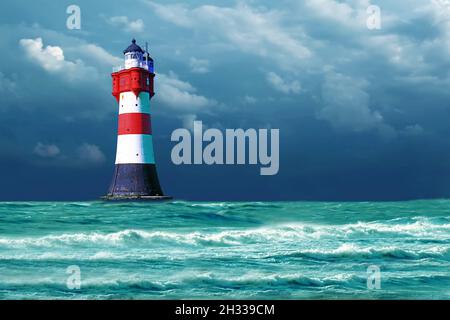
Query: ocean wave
[[192, 280], [251, 281], [420, 229], [346, 252], [271, 280], [238, 206], [89, 255], [353, 251], [350, 253], [129, 235]]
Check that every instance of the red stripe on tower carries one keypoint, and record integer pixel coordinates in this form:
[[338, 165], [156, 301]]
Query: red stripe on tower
[[134, 123]]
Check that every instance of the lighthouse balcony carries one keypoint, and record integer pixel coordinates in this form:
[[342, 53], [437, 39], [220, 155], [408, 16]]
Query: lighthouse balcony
[[134, 79]]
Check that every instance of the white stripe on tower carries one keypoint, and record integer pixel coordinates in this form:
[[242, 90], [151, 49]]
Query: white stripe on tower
[[128, 102], [135, 148], [134, 140]]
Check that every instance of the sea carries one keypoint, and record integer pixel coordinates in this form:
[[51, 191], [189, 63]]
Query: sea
[[225, 250]]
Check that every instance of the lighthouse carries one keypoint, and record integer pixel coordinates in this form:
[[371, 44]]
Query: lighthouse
[[135, 175]]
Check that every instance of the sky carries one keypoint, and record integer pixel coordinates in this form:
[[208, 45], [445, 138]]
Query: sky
[[363, 113]]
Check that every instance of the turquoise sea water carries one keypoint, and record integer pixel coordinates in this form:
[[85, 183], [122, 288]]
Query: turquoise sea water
[[276, 250]]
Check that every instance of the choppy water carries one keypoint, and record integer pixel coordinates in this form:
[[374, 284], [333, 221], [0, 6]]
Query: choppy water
[[289, 250]]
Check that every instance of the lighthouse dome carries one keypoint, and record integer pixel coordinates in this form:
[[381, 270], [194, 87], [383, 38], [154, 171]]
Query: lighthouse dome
[[133, 47]]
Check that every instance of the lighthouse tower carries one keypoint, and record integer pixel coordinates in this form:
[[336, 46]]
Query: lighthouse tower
[[135, 174]]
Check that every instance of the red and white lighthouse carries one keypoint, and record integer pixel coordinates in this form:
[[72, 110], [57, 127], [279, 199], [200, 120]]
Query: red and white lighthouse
[[135, 175]]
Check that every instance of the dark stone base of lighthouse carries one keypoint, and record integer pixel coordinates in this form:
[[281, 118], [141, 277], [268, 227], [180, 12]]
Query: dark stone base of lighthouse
[[135, 182]]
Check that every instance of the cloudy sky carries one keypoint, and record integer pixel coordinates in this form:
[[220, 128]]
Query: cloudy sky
[[363, 114]]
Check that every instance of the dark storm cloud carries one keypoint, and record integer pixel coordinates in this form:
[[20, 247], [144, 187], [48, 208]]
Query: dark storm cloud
[[363, 114]]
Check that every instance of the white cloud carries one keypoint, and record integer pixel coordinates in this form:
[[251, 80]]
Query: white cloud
[[9, 90], [249, 100], [175, 13], [252, 31], [7, 85], [199, 65], [346, 34], [413, 130], [127, 24], [90, 154], [98, 54], [46, 150], [345, 104], [84, 155], [282, 85], [188, 121], [341, 12], [180, 94], [51, 59]]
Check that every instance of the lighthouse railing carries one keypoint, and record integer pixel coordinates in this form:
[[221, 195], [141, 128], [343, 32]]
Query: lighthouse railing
[[142, 64]]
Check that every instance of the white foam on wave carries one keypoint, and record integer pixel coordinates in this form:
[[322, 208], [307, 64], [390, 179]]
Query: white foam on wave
[[419, 228], [353, 250], [268, 279]]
